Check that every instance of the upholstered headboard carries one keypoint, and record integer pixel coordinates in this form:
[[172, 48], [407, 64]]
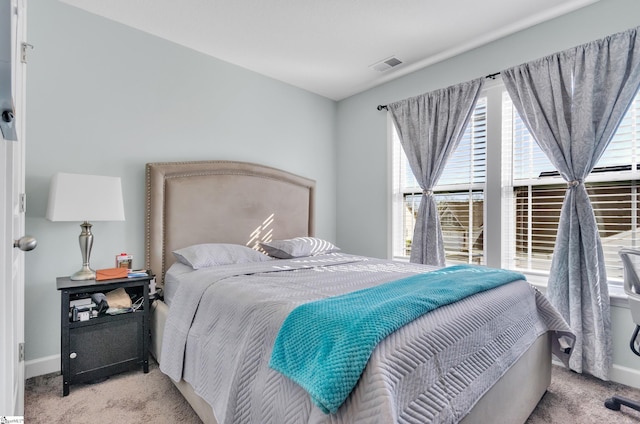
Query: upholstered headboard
[[221, 202]]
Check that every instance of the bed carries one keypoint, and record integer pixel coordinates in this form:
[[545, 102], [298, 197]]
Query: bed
[[237, 203]]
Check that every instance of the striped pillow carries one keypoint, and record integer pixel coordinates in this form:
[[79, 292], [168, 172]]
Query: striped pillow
[[298, 247]]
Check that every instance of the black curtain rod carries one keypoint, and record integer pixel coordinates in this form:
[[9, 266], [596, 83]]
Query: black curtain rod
[[490, 76]]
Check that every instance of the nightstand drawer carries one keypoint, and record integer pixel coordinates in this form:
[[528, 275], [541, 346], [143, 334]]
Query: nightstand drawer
[[96, 351]]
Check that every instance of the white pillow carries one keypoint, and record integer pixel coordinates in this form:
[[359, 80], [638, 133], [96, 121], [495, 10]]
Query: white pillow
[[172, 279], [298, 247], [212, 254]]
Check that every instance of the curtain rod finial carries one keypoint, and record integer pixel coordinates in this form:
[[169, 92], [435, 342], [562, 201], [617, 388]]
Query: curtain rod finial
[[380, 107]]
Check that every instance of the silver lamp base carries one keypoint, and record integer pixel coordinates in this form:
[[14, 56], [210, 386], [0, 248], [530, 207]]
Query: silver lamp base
[[85, 273], [86, 242]]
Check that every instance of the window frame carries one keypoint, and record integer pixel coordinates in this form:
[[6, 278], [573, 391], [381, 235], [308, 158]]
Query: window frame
[[499, 192], [396, 154]]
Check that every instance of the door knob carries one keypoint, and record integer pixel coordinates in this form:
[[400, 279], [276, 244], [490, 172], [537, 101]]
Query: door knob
[[26, 243], [7, 116]]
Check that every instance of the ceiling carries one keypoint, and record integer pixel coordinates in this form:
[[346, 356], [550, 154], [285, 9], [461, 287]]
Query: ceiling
[[328, 46]]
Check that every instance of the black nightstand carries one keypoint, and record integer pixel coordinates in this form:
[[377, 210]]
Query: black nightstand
[[98, 347]]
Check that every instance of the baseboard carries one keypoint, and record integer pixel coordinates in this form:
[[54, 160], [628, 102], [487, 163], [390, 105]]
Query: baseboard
[[42, 366], [50, 364], [619, 374], [624, 375]]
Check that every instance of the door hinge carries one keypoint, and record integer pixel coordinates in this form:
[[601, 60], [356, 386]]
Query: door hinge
[[23, 203], [20, 352], [23, 54]]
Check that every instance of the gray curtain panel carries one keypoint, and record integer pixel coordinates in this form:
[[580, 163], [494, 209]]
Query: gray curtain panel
[[572, 102], [430, 127]]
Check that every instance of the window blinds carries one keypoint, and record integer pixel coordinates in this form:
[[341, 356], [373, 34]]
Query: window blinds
[[538, 192], [459, 195]]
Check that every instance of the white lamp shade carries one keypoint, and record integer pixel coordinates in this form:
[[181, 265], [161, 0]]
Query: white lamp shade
[[78, 197]]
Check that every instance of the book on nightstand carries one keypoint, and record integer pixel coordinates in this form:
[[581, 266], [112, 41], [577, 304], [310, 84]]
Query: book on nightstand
[[111, 273]]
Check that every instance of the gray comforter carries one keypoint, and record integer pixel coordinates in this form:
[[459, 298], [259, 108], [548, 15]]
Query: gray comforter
[[223, 321]]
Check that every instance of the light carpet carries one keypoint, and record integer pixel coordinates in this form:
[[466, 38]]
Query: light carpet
[[135, 397]]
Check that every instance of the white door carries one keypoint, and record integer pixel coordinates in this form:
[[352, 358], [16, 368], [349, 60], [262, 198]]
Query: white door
[[12, 206]]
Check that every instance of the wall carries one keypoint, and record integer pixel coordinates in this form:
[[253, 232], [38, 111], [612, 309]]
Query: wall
[[362, 133], [105, 99]]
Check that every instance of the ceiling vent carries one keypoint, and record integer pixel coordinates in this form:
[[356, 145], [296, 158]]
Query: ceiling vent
[[386, 64]]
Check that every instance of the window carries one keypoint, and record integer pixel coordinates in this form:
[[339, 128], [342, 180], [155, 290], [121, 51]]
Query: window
[[459, 195], [538, 192], [530, 193]]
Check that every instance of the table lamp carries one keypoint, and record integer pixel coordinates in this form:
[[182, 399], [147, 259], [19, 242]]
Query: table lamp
[[78, 197]]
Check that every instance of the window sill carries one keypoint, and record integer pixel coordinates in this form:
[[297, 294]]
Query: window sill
[[617, 296]]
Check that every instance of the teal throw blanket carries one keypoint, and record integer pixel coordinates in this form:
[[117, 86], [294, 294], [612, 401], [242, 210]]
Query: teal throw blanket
[[324, 345]]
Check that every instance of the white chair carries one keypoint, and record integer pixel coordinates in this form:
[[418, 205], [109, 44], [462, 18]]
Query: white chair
[[631, 265]]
